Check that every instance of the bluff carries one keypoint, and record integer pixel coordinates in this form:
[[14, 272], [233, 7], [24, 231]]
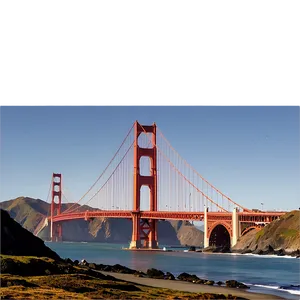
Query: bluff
[[15, 240], [280, 237], [31, 214]]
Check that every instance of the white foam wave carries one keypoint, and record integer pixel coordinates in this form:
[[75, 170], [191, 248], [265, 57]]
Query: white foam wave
[[265, 256], [267, 286], [295, 292]]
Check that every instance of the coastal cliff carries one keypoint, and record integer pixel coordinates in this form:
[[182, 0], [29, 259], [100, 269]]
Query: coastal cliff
[[280, 237], [15, 240], [31, 214]]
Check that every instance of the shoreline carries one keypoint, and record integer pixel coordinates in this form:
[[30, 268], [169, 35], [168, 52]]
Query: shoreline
[[190, 287]]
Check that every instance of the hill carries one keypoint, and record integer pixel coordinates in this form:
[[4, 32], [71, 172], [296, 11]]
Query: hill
[[31, 213], [15, 240], [188, 234], [280, 237]]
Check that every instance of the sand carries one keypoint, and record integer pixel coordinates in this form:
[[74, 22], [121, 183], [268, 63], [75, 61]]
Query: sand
[[190, 287]]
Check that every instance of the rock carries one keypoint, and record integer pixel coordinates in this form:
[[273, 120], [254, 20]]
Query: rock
[[122, 269], [270, 250], [231, 283], [169, 276], [192, 248], [258, 251], [154, 273], [245, 251], [236, 284], [219, 283], [92, 266], [280, 252], [243, 286], [68, 261], [294, 253], [290, 287], [83, 263], [209, 282], [76, 262], [107, 269], [209, 249], [200, 281], [139, 274], [187, 277]]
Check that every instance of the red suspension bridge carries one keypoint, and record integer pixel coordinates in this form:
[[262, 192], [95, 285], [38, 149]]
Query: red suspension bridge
[[147, 181]]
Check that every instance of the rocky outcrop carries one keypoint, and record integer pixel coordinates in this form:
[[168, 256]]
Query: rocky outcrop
[[280, 237], [217, 249], [236, 284], [15, 240]]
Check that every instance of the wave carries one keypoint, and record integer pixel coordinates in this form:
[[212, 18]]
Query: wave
[[292, 289], [263, 256]]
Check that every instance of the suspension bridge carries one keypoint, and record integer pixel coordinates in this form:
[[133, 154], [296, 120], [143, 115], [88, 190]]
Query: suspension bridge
[[147, 181]]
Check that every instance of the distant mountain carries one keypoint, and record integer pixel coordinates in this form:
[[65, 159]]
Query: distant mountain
[[188, 234], [31, 214], [281, 236]]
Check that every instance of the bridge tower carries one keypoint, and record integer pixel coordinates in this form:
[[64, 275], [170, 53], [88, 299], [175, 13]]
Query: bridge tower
[[144, 231], [56, 228]]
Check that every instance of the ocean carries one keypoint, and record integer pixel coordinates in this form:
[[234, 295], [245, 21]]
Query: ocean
[[264, 274]]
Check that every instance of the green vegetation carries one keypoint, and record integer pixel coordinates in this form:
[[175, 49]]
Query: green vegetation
[[85, 287], [25, 259], [289, 233], [259, 234]]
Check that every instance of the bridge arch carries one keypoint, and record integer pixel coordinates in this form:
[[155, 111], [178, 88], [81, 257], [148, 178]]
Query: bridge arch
[[247, 229], [220, 234]]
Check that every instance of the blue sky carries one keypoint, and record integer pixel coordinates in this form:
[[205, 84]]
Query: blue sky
[[249, 153]]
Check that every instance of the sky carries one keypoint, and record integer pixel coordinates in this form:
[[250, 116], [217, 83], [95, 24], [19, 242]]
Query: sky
[[249, 153]]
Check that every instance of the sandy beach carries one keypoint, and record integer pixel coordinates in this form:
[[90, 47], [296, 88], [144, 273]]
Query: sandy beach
[[190, 287]]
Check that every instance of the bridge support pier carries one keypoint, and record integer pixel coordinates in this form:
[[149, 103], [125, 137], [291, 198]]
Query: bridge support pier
[[206, 237], [235, 227], [135, 240], [144, 233], [153, 244]]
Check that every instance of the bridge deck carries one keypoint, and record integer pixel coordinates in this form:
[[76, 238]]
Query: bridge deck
[[160, 215]]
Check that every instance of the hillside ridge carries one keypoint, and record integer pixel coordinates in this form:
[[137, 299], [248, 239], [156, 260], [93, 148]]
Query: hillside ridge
[[31, 214], [280, 237]]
